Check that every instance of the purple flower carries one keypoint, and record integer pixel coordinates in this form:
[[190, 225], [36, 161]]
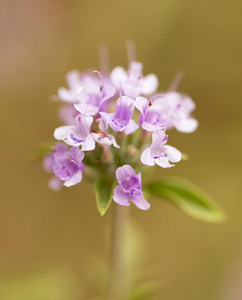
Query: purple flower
[[133, 83], [167, 111], [54, 183], [129, 188], [87, 92], [121, 119], [154, 113], [74, 83], [180, 118], [159, 153], [68, 166], [93, 94], [78, 134]]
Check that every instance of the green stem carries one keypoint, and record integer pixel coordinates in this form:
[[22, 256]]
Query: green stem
[[119, 279]]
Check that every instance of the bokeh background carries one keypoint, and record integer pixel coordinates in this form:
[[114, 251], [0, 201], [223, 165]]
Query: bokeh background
[[53, 243]]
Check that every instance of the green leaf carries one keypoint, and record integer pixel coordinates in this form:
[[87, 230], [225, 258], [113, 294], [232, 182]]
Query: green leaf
[[188, 198], [104, 192]]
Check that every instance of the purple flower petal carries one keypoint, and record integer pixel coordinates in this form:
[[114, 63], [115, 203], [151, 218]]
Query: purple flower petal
[[76, 178], [129, 188], [55, 184], [124, 172], [159, 153], [120, 197], [140, 202], [131, 127]]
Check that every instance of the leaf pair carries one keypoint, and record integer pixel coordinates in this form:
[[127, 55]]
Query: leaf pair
[[189, 198]]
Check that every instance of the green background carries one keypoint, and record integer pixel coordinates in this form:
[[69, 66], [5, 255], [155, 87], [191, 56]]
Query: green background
[[50, 241]]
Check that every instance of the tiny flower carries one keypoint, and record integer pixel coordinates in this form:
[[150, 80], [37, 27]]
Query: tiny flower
[[74, 82], [87, 92], [121, 119], [78, 134], [154, 113], [129, 188], [54, 183], [102, 136], [180, 118], [68, 166], [93, 94], [133, 83], [159, 153]]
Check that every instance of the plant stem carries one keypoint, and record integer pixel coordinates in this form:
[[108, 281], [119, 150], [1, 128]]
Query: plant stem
[[119, 277]]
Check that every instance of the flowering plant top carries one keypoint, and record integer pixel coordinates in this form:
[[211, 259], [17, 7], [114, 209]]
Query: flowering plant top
[[115, 124]]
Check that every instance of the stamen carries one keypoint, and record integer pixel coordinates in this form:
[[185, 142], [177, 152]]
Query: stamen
[[70, 159], [104, 58], [176, 81], [100, 132], [131, 50]]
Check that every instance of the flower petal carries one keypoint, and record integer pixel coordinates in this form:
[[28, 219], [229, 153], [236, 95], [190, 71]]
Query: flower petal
[[117, 76], [173, 154], [131, 127], [63, 132], [188, 105], [86, 109], [48, 162], [186, 125], [149, 84], [140, 103], [55, 184], [124, 172], [67, 96], [107, 117], [113, 140], [163, 162], [120, 197], [146, 158], [89, 143], [140, 201], [76, 178], [109, 93]]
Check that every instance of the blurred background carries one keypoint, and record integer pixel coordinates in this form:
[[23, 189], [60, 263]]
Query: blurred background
[[53, 244]]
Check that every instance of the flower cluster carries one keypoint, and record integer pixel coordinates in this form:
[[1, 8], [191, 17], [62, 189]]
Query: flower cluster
[[116, 112]]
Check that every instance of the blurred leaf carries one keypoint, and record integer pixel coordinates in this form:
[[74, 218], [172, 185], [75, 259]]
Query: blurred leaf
[[188, 198], [52, 285], [103, 190], [145, 291], [40, 151]]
